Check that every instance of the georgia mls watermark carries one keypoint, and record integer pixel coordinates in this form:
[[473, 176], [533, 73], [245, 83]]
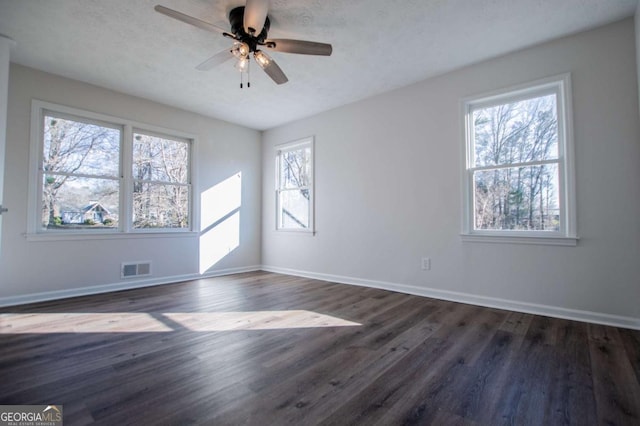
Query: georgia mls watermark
[[30, 415]]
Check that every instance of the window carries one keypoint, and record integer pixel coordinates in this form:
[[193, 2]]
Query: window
[[80, 173], [98, 174], [518, 169], [294, 186], [160, 182]]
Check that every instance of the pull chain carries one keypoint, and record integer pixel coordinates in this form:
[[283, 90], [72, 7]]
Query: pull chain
[[248, 76]]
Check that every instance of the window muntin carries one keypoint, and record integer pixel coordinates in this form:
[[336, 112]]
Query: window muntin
[[517, 177], [86, 166], [294, 186]]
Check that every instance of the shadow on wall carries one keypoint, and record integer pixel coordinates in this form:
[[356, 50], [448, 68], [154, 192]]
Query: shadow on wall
[[220, 221]]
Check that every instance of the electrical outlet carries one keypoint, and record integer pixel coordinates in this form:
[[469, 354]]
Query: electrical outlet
[[426, 263]]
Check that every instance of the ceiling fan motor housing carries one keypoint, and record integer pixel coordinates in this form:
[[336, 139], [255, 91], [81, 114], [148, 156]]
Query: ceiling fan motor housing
[[236, 19]]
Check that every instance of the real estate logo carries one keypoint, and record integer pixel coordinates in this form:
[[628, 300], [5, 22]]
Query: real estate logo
[[30, 415]]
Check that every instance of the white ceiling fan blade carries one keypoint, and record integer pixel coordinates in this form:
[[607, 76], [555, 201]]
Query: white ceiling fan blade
[[270, 67], [215, 60], [299, 46], [189, 19], [255, 13], [276, 74]]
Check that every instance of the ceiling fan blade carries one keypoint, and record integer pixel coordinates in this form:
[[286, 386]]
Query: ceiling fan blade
[[299, 46], [215, 60], [255, 13], [189, 19], [273, 70]]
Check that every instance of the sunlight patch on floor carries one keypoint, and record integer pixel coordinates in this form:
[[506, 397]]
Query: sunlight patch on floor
[[258, 320], [90, 322], [141, 322]]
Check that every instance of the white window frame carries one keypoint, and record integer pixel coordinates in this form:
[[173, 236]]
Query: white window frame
[[560, 86], [292, 146], [125, 226]]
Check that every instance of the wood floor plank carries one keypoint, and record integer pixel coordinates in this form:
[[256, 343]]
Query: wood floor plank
[[631, 342], [405, 393], [571, 386], [264, 348], [324, 384], [616, 388]]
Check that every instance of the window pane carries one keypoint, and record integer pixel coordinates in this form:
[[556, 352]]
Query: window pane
[[160, 205], [70, 202], [295, 168], [294, 209], [517, 132], [160, 159], [517, 198], [80, 148]]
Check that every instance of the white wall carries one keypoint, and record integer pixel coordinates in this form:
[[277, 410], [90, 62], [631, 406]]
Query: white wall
[[388, 189], [637, 21], [28, 268]]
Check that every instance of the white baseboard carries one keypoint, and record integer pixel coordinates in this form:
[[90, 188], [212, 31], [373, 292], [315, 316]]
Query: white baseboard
[[491, 302], [107, 288], [472, 299], [230, 271]]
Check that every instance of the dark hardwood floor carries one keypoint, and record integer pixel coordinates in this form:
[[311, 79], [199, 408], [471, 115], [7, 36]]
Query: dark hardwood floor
[[269, 349]]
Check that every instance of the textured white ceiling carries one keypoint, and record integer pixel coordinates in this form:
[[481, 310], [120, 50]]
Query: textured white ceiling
[[378, 45]]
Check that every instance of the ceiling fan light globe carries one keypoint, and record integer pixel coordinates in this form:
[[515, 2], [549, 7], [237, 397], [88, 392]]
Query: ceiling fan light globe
[[243, 65], [262, 58], [240, 50]]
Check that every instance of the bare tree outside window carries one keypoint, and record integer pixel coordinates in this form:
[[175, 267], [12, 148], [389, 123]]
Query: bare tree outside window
[[80, 179], [160, 182], [515, 165], [98, 173]]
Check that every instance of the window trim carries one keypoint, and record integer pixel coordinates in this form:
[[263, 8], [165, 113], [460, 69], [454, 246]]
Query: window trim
[[125, 228], [290, 146], [559, 85]]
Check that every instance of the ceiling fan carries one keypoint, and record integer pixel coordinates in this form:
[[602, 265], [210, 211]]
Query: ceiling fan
[[249, 27]]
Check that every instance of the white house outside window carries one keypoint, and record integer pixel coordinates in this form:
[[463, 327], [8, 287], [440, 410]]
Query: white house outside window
[[519, 167], [294, 186]]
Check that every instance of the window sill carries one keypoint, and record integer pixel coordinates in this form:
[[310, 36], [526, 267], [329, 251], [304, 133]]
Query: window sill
[[108, 236], [520, 239]]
